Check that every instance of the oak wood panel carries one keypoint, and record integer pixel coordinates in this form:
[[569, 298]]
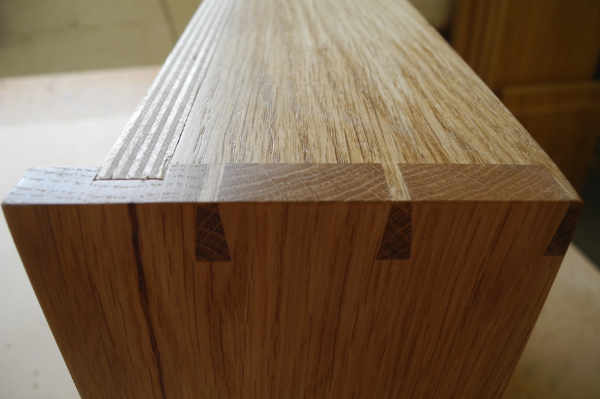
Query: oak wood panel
[[564, 119], [306, 182], [481, 182], [207, 184], [316, 199], [82, 265], [319, 82], [511, 42], [152, 133], [302, 309]]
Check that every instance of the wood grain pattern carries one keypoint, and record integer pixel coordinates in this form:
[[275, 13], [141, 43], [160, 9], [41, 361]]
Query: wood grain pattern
[[481, 183], [303, 182], [206, 184], [512, 42], [81, 262], [52, 186], [303, 309], [317, 199], [289, 83], [153, 131], [564, 120]]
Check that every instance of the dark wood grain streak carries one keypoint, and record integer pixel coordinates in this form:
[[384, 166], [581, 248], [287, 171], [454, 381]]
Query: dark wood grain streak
[[81, 263], [565, 232], [397, 237], [143, 293]]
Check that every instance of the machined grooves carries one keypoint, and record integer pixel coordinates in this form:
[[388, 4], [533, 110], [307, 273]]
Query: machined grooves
[[149, 139]]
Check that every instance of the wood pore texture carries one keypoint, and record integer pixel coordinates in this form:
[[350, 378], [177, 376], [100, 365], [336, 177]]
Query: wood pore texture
[[315, 199]]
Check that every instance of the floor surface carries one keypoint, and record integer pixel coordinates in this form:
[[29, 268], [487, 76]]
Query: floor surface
[[73, 119], [43, 36]]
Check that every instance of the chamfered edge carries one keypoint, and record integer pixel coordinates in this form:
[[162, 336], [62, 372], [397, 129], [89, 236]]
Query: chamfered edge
[[294, 183]]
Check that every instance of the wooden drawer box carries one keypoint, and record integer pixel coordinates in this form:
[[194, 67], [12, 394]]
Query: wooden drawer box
[[316, 199]]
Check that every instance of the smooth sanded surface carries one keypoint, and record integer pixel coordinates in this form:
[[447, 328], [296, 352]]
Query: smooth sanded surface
[[345, 211], [318, 82], [560, 358]]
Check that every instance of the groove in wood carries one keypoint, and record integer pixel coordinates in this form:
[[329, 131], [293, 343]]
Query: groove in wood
[[397, 237], [211, 243], [565, 232], [208, 183], [286, 82], [77, 186], [148, 141]]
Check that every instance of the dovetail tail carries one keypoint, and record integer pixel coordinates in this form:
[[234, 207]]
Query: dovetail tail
[[397, 237], [211, 243]]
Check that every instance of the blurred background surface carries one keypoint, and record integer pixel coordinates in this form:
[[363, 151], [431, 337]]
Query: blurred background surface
[[72, 72]]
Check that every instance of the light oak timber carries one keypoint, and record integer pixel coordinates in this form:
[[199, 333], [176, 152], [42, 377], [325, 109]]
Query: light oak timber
[[317, 82], [303, 277], [316, 199]]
